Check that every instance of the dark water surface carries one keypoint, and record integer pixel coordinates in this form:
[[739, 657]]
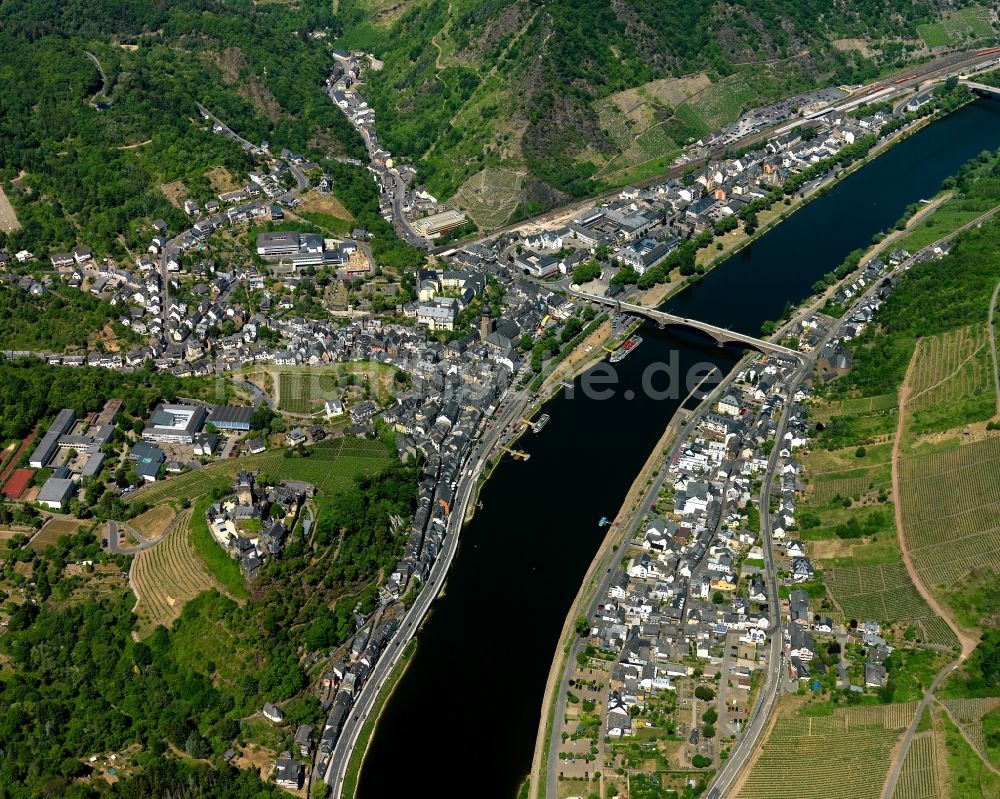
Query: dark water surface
[[463, 720]]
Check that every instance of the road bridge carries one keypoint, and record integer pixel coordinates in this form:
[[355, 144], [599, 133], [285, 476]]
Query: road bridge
[[722, 335], [982, 88]]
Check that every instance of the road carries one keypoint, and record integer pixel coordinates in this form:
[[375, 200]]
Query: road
[[514, 404], [606, 561], [993, 346], [117, 549], [951, 64]]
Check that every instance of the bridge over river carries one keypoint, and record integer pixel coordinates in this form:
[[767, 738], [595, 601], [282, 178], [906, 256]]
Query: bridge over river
[[722, 335]]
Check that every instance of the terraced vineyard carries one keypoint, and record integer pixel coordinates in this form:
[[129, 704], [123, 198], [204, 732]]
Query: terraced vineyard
[[825, 411], [885, 593], [803, 757], [168, 575], [969, 714], [951, 511], [952, 381], [331, 466], [918, 777], [490, 196], [852, 483]]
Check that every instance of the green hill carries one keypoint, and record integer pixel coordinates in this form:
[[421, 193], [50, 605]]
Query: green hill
[[575, 94]]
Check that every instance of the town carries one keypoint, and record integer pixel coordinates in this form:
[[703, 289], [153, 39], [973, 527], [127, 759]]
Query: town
[[702, 619]]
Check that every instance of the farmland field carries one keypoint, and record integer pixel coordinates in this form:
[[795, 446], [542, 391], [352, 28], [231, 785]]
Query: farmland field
[[969, 715], [950, 501], [490, 196], [934, 34], [918, 778], [851, 748], [166, 576], [884, 593], [303, 390], [857, 405], [331, 466], [951, 382], [53, 529]]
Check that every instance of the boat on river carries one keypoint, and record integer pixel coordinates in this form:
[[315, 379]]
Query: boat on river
[[630, 344], [542, 421]]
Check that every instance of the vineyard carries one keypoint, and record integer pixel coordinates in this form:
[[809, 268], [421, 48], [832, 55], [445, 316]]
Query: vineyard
[[490, 196], [166, 576], [885, 593], [918, 777], [951, 382], [331, 466], [825, 411], [849, 483], [969, 715], [851, 749], [950, 502]]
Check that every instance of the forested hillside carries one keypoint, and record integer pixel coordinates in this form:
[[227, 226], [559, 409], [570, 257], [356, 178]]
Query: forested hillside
[[557, 89], [84, 162]]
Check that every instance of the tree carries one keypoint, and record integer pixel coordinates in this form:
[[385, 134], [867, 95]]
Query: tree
[[710, 716], [704, 693], [708, 731], [860, 452]]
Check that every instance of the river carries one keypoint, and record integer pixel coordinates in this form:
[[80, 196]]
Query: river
[[463, 720]]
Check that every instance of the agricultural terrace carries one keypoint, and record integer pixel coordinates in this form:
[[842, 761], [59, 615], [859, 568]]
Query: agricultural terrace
[[154, 522], [960, 26], [330, 465], [846, 754], [950, 502], [167, 576], [951, 381], [490, 196], [303, 390], [969, 714], [918, 777], [885, 593], [53, 529]]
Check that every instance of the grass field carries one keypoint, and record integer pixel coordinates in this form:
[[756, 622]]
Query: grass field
[[167, 576], [216, 560], [154, 522], [53, 529], [845, 754], [950, 502], [885, 593], [949, 217], [331, 466], [918, 778]]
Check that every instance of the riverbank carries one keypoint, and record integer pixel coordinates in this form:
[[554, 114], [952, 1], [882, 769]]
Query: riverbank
[[657, 295], [356, 763], [592, 450]]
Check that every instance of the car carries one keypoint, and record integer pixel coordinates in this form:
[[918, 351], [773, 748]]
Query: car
[[104, 542]]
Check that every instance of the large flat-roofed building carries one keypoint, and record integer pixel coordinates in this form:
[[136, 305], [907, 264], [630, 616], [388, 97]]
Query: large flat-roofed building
[[174, 424], [439, 223], [55, 491], [287, 243], [231, 417], [50, 441]]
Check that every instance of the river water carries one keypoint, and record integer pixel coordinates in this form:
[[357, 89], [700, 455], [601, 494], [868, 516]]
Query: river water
[[463, 720]]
